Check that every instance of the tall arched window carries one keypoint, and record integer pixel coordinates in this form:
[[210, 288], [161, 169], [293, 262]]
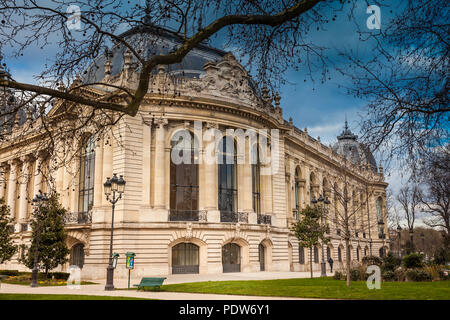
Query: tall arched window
[[185, 258], [316, 255], [86, 183], [301, 255], [77, 255], [297, 192], [183, 178], [339, 254], [231, 258], [256, 180], [380, 218], [311, 183], [227, 182]]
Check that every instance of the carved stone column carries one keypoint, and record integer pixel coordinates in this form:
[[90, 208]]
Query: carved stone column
[[209, 184], [23, 201], [12, 187], [98, 173], [3, 169], [37, 185], [160, 168], [107, 164], [146, 163]]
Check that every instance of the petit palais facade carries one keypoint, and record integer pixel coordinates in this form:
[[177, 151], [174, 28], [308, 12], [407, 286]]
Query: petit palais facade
[[233, 214]]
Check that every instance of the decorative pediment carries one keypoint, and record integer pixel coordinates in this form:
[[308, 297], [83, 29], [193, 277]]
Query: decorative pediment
[[225, 78]]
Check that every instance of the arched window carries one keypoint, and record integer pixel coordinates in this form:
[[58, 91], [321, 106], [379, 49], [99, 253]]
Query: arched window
[[365, 252], [231, 258], [357, 254], [183, 178], [316, 255], [328, 253], [185, 258], [261, 257], [77, 255], [381, 252], [86, 182], [335, 191], [256, 183], [311, 183], [297, 192], [379, 210], [301, 255], [380, 218], [339, 254], [227, 181]]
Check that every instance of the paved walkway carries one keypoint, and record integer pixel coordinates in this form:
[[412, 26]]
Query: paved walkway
[[99, 289]]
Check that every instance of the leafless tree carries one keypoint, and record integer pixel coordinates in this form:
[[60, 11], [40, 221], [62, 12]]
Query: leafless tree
[[409, 198], [270, 33], [436, 195], [349, 215], [405, 79], [269, 36]]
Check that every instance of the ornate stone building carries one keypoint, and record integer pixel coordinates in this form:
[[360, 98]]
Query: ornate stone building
[[199, 217]]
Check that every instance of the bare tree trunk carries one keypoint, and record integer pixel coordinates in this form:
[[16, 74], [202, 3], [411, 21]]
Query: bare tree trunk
[[310, 262], [347, 260]]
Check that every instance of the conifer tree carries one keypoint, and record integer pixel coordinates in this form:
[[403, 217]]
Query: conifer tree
[[52, 248], [7, 246]]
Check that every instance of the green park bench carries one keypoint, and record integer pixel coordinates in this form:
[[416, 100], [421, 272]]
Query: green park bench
[[149, 282]]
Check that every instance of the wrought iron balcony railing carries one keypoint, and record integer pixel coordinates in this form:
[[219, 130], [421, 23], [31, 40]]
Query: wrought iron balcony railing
[[78, 217], [188, 215], [264, 219], [230, 216]]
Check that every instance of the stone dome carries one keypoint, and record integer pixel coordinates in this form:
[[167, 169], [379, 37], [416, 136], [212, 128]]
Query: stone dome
[[149, 41], [349, 147]]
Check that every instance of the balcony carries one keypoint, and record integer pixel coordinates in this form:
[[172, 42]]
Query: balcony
[[264, 219], [188, 215], [229, 216], [78, 217]]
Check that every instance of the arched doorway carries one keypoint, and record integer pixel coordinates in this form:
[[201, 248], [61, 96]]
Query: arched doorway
[[77, 255], [262, 257], [231, 258], [185, 258]]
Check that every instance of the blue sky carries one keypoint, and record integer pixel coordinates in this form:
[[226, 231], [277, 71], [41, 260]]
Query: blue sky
[[322, 108]]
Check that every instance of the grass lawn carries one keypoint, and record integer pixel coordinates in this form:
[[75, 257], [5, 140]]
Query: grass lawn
[[19, 296], [327, 288]]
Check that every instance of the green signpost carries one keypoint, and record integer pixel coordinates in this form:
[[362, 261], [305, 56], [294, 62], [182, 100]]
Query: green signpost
[[129, 264]]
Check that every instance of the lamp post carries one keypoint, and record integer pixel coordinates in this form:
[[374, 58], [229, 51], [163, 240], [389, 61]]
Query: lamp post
[[115, 186], [399, 231], [323, 268], [422, 236], [38, 201]]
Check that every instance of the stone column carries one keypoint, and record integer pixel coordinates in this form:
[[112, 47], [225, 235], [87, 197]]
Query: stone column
[[146, 164], [37, 185], [107, 164], [209, 184], [60, 151], [23, 203], [245, 183], [98, 173], [2, 181], [12, 188], [160, 166]]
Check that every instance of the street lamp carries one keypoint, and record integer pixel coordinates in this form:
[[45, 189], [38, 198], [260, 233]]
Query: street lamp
[[39, 200], [115, 186], [399, 231], [422, 236]]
